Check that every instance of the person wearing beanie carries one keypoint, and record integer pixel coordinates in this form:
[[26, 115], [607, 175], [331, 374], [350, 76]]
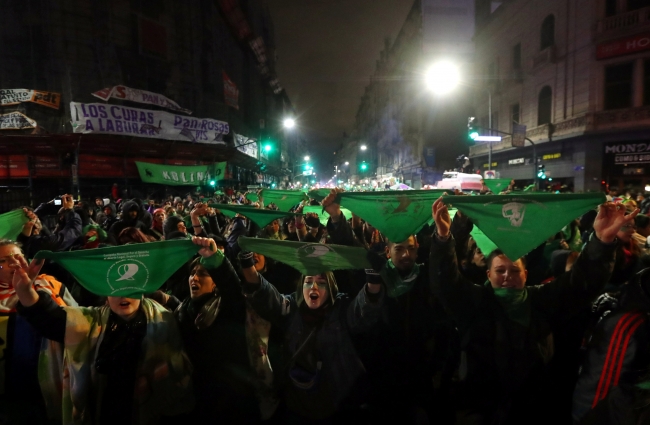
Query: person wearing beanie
[[324, 375], [130, 213], [174, 224], [157, 230], [92, 236]]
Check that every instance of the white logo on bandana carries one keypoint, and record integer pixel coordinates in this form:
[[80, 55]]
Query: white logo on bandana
[[514, 211]]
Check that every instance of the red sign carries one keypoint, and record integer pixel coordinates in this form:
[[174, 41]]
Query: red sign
[[623, 46]]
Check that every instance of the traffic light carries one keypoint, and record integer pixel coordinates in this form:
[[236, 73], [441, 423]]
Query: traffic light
[[472, 128], [267, 147], [363, 166], [213, 183], [541, 171]]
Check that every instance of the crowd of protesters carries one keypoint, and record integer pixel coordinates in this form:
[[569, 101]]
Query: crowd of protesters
[[435, 332]]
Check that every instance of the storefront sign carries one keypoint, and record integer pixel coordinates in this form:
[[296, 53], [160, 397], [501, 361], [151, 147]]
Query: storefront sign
[[246, 145], [140, 96], [16, 121], [632, 159], [623, 46], [178, 175], [516, 161], [231, 93], [551, 156], [16, 96], [99, 118], [518, 135], [628, 153], [486, 165]]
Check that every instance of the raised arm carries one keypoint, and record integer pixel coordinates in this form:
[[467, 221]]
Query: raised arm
[[365, 311], [459, 296]]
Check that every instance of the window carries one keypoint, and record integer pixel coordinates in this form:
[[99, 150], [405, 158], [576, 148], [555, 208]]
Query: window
[[637, 4], [514, 113], [548, 32], [618, 86], [544, 106], [516, 56], [610, 7]]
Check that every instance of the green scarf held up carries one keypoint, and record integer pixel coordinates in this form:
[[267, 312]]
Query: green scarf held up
[[323, 216], [515, 303], [395, 284], [497, 186], [518, 223], [261, 217], [124, 271], [284, 199], [11, 224]]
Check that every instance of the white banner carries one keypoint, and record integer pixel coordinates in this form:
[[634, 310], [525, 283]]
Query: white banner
[[140, 96], [100, 118], [16, 121], [246, 145], [16, 96]]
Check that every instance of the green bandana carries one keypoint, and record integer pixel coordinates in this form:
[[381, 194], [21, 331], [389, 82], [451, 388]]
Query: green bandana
[[100, 232], [483, 242], [515, 303], [395, 284], [309, 259], [180, 175], [11, 224], [284, 199], [260, 217], [397, 214], [124, 271], [319, 194], [252, 197], [323, 216], [497, 185], [519, 223]]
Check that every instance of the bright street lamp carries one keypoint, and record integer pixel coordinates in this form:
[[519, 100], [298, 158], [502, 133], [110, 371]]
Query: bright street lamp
[[306, 157], [289, 123], [442, 77], [347, 163], [363, 147]]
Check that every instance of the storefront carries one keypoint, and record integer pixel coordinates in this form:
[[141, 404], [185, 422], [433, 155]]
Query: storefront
[[626, 165]]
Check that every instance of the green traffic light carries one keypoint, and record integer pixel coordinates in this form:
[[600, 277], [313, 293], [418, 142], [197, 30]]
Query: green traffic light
[[473, 135], [212, 183], [268, 148], [364, 166]]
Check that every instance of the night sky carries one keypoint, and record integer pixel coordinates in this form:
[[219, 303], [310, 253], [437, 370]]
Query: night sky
[[327, 51]]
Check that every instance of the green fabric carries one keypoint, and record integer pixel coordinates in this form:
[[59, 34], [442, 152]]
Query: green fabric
[[214, 261], [261, 217], [319, 194], [125, 271], [323, 216], [519, 223], [11, 224], [180, 175], [284, 199], [96, 227], [308, 258], [644, 385], [252, 197], [397, 214], [395, 284], [483, 242], [67, 374], [515, 303], [497, 185]]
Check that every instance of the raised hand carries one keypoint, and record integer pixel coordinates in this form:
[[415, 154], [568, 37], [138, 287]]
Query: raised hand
[[330, 204], [67, 202], [209, 247], [611, 217], [441, 217], [23, 279]]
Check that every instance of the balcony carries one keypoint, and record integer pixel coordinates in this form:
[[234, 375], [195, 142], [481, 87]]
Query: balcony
[[635, 19], [544, 57]]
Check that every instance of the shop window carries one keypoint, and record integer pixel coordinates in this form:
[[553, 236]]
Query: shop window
[[610, 7], [514, 113], [516, 56], [637, 4], [544, 105], [548, 32], [618, 86]]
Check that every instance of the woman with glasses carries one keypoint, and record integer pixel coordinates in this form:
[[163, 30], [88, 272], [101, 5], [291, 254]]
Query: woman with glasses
[[322, 376]]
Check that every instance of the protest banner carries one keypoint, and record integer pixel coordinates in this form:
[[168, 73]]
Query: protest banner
[[16, 121], [16, 96], [99, 118], [140, 96], [180, 175]]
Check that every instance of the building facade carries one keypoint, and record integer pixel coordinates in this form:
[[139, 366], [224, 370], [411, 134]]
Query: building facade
[[214, 58], [405, 128], [577, 75]]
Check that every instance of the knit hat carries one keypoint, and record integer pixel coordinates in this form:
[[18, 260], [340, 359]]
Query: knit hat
[[171, 224], [100, 232]]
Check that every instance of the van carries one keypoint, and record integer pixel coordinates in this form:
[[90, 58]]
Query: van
[[462, 181]]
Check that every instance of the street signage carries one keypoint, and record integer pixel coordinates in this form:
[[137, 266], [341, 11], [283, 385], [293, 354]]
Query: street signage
[[488, 139], [518, 135]]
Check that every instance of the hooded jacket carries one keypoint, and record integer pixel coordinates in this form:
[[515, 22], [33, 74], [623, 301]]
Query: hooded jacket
[[127, 221], [110, 218], [171, 225]]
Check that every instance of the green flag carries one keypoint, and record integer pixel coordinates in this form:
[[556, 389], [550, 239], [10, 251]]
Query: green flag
[[497, 185], [124, 271], [252, 197], [319, 194], [11, 224], [397, 214], [284, 199], [261, 217], [308, 258], [180, 175], [483, 242], [519, 223], [323, 216]]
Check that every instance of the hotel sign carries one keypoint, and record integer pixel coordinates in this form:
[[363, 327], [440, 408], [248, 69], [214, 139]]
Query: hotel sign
[[623, 46]]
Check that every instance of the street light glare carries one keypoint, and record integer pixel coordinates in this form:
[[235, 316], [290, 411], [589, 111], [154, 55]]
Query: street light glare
[[347, 163], [289, 123], [306, 157], [364, 147], [442, 77]]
